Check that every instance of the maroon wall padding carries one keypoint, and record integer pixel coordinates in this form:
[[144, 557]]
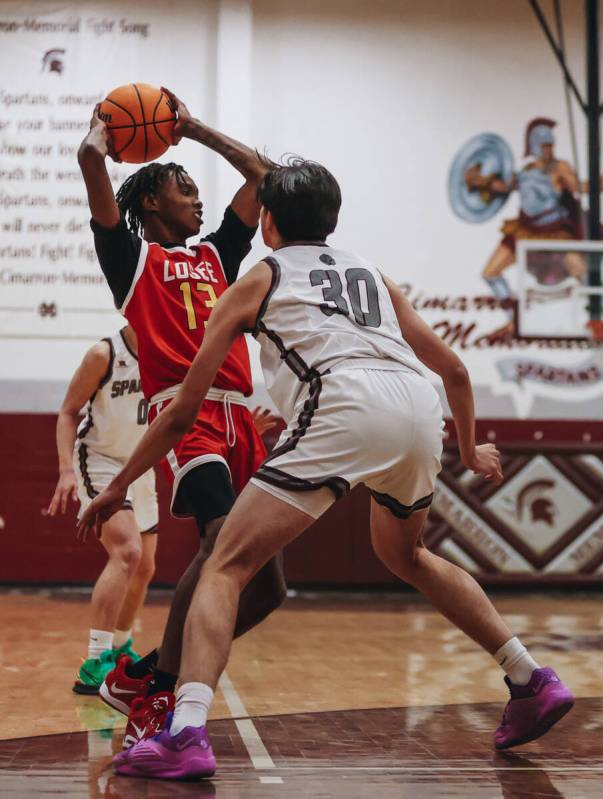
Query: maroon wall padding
[[39, 549]]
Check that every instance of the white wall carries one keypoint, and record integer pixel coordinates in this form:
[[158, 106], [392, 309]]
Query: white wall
[[384, 93]]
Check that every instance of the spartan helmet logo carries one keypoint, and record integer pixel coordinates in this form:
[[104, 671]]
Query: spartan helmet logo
[[532, 500], [52, 61], [538, 132]]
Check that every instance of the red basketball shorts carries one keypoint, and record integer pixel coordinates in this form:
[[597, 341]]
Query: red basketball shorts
[[222, 432]]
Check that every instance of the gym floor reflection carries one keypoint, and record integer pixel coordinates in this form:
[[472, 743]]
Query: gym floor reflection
[[344, 695]]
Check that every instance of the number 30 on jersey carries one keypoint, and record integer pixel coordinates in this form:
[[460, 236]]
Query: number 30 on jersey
[[361, 290]]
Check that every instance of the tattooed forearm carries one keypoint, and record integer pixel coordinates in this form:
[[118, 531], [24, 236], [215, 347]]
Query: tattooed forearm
[[242, 158]]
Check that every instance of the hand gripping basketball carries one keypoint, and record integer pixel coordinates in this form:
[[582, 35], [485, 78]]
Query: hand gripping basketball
[[99, 137], [183, 116]]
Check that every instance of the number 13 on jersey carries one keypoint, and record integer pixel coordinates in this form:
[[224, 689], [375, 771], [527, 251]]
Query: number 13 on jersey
[[208, 301]]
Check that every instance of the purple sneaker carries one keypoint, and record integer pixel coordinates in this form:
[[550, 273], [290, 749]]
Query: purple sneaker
[[533, 708], [185, 756]]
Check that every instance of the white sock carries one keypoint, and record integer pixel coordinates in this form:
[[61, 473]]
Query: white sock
[[98, 641], [516, 661], [121, 637], [193, 701]]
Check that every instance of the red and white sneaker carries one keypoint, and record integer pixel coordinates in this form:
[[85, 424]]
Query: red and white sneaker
[[119, 691], [148, 717]]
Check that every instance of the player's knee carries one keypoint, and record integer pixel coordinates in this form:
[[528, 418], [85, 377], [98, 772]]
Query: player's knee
[[237, 567], [129, 555], [146, 567]]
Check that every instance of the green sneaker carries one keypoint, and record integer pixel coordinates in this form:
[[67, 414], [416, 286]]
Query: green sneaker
[[92, 673], [126, 649]]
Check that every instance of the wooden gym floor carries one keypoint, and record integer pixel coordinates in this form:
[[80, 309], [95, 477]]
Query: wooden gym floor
[[334, 696]]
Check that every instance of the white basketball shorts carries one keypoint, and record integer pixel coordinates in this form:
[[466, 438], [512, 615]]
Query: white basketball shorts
[[95, 471], [377, 427]]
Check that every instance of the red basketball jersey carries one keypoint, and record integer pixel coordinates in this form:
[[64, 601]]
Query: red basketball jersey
[[168, 305]]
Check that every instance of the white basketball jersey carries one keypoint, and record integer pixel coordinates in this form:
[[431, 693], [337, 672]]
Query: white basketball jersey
[[116, 416], [325, 306]]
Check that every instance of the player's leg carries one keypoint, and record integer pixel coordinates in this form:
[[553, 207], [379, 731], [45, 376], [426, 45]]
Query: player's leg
[[171, 644], [207, 493], [146, 513], [121, 540], [258, 527], [538, 697], [266, 590], [135, 595], [450, 589]]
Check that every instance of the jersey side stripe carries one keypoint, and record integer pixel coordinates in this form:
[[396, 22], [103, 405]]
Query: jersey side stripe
[[274, 284], [144, 250], [89, 423], [109, 372], [83, 461], [126, 345], [217, 254]]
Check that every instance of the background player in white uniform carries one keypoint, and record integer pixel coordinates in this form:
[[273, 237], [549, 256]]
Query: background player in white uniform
[[341, 347], [89, 458]]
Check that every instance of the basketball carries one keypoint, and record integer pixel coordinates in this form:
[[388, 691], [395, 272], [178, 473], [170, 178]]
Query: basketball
[[140, 121]]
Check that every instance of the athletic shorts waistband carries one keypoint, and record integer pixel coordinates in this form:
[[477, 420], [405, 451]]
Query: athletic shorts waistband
[[373, 364], [214, 394]]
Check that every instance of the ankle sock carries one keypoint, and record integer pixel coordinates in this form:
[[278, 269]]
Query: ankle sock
[[162, 681], [143, 667], [98, 642], [192, 706], [121, 637], [516, 662]]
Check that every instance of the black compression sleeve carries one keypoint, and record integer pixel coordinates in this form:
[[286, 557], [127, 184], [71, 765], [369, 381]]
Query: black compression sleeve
[[206, 492], [233, 241], [118, 250]]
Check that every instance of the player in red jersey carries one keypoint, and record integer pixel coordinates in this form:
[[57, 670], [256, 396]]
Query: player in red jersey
[[166, 290]]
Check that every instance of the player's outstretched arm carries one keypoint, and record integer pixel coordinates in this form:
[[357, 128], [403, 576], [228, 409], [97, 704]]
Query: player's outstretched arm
[[243, 159], [84, 383], [437, 356], [91, 157], [235, 312]]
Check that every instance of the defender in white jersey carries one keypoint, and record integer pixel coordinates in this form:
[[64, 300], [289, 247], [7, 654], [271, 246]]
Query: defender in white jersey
[[329, 334], [90, 455], [341, 352]]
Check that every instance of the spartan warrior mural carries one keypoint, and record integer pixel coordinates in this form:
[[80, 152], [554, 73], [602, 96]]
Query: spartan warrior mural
[[482, 178]]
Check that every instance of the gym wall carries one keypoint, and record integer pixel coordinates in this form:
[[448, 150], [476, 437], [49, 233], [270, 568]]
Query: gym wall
[[385, 94]]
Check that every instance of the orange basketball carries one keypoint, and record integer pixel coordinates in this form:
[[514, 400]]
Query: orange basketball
[[140, 120]]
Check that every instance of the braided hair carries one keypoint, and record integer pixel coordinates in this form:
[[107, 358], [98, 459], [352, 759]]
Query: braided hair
[[142, 183]]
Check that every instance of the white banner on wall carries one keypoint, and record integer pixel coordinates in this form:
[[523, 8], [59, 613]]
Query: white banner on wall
[[57, 63]]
